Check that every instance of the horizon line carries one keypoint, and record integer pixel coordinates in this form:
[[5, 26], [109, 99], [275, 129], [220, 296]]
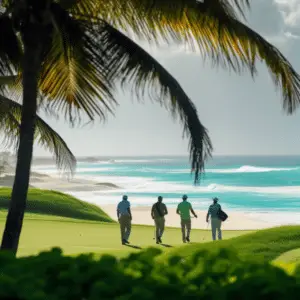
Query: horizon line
[[181, 155]]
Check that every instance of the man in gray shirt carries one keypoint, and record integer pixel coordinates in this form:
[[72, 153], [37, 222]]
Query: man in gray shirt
[[158, 212], [215, 221]]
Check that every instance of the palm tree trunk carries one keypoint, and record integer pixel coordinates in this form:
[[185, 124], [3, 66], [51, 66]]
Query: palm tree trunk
[[31, 67]]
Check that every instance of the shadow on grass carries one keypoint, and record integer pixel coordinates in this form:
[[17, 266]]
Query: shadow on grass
[[133, 246], [166, 245]]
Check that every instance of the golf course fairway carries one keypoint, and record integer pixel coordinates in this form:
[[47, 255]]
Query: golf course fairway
[[59, 220]]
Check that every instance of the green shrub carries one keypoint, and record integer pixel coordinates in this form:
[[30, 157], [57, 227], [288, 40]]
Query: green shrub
[[205, 275]]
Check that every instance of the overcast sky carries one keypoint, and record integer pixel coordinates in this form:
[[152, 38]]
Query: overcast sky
[[244, 117]]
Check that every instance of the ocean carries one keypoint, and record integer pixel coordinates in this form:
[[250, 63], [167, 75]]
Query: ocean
[[255, 185]]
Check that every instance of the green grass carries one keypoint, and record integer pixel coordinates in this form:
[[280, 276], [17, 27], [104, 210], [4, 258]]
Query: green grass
[[288, 267], [265, 245], [42, 232], [289, 257], [54, 203], [54, 219]]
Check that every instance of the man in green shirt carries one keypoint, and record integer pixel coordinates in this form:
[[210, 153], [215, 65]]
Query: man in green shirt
[[183, 209]]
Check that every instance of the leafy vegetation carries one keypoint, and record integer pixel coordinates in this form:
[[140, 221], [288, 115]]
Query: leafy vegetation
[[205, 275]]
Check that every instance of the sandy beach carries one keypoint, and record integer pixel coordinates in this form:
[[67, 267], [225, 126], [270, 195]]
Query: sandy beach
[[44, 181], [236, 221]]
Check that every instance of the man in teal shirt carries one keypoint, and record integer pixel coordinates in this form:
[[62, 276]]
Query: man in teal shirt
[[183, 209], [215, 221]]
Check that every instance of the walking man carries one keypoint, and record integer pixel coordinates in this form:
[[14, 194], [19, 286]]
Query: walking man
[[158, 212], [183, 209], [215, 221], [124, 217]]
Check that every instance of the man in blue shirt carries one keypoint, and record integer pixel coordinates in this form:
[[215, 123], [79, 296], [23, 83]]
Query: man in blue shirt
[[125, 218]]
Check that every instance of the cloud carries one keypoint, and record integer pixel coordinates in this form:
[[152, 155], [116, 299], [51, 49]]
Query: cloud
[[290, 10], [265, 17], [288, 34]]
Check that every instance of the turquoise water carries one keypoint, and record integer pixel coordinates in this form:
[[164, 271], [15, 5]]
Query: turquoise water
[[241, 183]]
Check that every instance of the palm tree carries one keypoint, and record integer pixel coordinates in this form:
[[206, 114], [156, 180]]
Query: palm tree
[[76, 51], [10, 126], [10, 117]]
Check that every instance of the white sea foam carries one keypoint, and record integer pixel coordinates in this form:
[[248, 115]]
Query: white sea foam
[[280, 190], [149, 185], [249, 169], [242, 169], [103, 169]]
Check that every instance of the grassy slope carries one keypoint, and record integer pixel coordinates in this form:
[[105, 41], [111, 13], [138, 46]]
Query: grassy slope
[[292, 256], [265, 244], [58, 204]]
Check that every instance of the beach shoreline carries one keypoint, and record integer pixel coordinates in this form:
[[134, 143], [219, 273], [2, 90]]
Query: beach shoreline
[[236, 220], [141, 214], [59, 183], [85, 188]]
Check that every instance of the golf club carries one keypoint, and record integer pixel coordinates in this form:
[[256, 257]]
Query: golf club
[[207, 224]]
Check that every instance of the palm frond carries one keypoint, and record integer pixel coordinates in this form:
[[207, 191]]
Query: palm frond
[[8, 84], [80, 6], [9, 125], [73, 76], [148, 17], [242, 5], [235, 7], [10, 115], [132, 65], [7, 80], [211, 27], [241, 41]]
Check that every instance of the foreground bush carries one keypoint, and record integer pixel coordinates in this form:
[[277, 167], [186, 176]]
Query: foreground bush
[[205, 275]]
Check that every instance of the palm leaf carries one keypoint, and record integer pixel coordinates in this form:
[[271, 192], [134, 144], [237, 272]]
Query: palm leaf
[[132, 65], [73, 76], [7, 80], [241, 41], [10, 115], [211, 27]]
